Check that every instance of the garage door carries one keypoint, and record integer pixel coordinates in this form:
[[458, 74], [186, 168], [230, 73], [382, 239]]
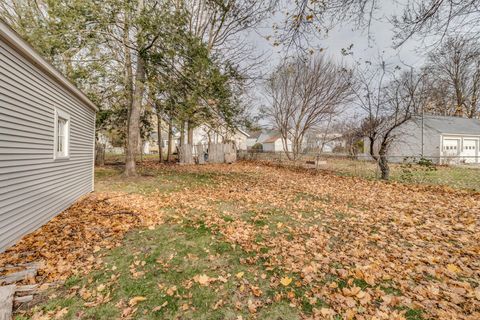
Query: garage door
[[469, 151], [450, 147]]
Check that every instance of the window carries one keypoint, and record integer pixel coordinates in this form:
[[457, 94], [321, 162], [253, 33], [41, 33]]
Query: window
[[62, 135]]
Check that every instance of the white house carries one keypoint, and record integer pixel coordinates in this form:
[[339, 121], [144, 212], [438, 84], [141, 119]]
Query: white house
[[438, 138], [204, 135], [271, 141], [47, 140]]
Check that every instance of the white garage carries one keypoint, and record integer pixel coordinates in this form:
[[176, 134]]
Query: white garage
[[441, 139]]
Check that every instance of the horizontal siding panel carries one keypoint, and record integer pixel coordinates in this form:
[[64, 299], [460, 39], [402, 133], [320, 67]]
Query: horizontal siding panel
[[38, 181], [9, 133], [12, 107], [18, 143], [42, 195], [19, 163], [37, 168], [23, 125], [34, 187]]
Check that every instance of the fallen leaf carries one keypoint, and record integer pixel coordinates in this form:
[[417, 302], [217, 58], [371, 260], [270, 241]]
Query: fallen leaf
[[132, 302], [453, 268], [202, 279], [285, 281]]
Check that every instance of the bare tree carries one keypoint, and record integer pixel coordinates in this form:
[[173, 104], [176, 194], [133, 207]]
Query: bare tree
[[455, 68], [387, 108], [438, 18], [304, 93], [421, 18]]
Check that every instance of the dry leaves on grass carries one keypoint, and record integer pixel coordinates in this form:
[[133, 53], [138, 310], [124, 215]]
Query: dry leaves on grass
[[367, 248], [69, 243]]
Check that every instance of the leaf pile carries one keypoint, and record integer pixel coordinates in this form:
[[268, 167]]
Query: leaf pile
[[67, 244]]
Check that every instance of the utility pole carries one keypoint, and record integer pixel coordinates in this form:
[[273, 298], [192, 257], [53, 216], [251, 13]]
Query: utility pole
[[423, 126]]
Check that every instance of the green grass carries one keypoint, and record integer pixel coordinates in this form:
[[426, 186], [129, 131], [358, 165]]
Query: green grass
[[169, 256], [453, 176], [148, 181]]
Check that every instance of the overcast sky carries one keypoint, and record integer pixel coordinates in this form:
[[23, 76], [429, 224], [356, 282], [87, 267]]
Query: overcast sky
[[366, 45]]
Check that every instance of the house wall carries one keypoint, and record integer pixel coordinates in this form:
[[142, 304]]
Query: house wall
[[201, 136], [240, 141], [276, 146], [33, 186], [407, 144]]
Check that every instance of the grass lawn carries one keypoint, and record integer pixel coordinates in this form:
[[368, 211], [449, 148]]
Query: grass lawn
[[248, 241], [454, 176]]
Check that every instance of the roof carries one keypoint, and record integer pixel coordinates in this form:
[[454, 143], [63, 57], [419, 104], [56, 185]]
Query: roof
[[243, 132], [12, 38], [451, 125], [269, 136], [254, 134]]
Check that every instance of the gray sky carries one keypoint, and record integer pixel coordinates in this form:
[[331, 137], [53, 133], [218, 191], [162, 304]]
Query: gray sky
[[366, 46]]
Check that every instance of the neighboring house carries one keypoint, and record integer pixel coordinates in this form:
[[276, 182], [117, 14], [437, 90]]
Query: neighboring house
[[325, 142], [445, 140], [204, 135], [47, 133], [201, 135], [252, 138], [271, 141]]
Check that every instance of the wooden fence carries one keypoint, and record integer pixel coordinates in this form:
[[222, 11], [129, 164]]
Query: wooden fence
[[212, 153]]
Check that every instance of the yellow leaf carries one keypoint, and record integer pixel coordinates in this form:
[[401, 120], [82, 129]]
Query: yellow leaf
[[285, 281], [101, 287], [136, 300], [453, 268], [202, 279], [240, 274]]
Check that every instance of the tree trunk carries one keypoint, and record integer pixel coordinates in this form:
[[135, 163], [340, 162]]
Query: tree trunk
[[372, 148], [170, 138], [159, 138], [190, 133], [99, 154], [182, 133], [134, 120], [383, 162]]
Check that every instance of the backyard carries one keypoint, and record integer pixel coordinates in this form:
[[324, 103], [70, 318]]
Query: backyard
[[259, 241]]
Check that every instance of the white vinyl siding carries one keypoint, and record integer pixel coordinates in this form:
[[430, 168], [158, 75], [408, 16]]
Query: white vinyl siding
[[34, 185]]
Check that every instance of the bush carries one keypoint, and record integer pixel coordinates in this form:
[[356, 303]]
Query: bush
[[257, 147]]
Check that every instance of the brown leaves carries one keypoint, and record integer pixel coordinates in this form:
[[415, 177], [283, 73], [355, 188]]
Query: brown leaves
[[366, 249], [68, 242], [203, 279]]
